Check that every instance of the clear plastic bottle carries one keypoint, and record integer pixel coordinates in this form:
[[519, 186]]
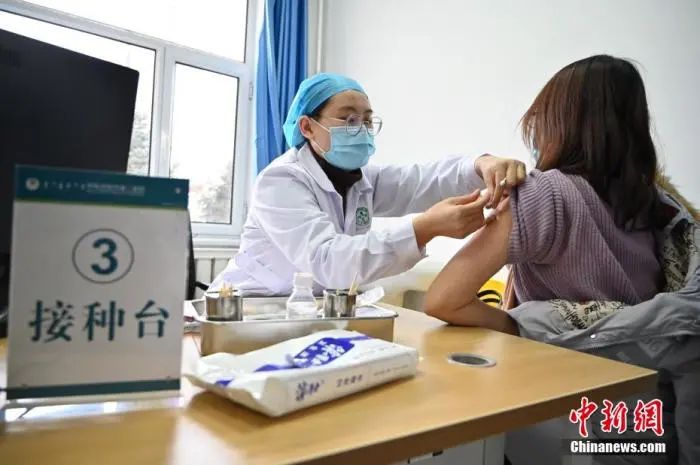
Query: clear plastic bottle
[[301, 303]]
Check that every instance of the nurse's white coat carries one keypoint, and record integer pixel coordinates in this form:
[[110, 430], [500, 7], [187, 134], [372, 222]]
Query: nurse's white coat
[[296, 222]]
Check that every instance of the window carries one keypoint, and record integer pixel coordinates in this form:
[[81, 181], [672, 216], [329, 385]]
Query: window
[[201, 123], [216, 26], [194, 98]]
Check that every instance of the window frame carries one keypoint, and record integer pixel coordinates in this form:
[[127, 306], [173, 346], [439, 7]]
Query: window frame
[[167, 55]]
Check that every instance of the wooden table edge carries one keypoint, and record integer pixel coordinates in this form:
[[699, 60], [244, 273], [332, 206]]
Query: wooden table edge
[[401, 448]]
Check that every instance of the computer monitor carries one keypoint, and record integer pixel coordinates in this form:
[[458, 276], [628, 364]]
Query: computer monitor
[[58, 108]]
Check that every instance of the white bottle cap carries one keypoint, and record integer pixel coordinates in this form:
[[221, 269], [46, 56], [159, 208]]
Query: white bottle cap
[[303, 280]]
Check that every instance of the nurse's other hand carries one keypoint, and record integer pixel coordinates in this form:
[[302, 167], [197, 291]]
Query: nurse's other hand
[[455, 217], [499, 175]]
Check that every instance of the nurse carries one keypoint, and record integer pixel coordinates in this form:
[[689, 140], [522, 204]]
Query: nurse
[[312, 207]]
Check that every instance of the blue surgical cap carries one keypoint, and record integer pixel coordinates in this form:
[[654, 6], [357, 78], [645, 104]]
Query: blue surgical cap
[[312, 93]]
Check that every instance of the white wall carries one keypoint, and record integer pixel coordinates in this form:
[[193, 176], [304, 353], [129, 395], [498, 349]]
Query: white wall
[[315, 9], [453, 76]]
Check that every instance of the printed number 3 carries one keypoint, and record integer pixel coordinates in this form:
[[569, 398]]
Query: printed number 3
[[107, 254]]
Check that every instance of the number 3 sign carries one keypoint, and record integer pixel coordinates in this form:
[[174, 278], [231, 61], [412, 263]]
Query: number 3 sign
[[97, 283], [103, 256]]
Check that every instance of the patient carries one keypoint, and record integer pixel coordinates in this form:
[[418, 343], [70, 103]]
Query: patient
[[579, 227]]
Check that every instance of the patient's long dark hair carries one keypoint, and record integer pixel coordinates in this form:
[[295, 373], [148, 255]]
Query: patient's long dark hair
[[591, 119]]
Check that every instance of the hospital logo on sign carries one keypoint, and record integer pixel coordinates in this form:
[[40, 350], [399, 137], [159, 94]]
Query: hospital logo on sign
[[362, 217]]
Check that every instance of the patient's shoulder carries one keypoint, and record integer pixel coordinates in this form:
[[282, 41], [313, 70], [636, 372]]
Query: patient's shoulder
[[539, 210]]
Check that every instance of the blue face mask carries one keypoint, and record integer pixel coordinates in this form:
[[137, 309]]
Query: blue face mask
[[348, 152], [536, 154]]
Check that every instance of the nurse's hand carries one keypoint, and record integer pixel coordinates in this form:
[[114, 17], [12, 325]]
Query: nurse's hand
[[455, 217], [499, 175]]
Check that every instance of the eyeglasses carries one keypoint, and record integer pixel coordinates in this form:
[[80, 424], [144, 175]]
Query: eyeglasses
[[355, 123]]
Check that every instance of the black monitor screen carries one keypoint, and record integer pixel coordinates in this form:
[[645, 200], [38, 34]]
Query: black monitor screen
[[58, 108]]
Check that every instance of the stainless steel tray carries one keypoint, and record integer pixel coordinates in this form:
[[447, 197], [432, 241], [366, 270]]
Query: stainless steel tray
[[264, 323]]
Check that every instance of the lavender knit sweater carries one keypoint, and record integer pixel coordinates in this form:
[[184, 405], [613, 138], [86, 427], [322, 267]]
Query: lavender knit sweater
[[564, 244]]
